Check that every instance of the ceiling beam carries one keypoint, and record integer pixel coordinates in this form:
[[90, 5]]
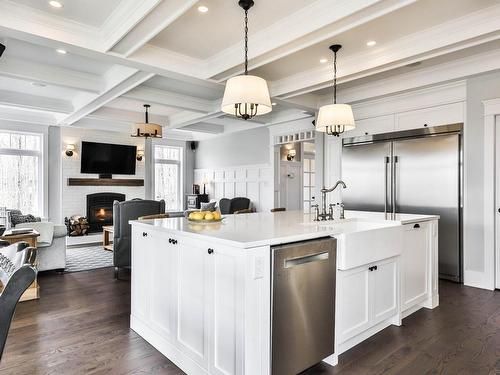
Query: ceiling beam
[[423, 77], [50, 75], [304, 28], [151, 25], [119, 81], [465, 32], [206, 128], [171, 99], [34, 102], [125, 18]]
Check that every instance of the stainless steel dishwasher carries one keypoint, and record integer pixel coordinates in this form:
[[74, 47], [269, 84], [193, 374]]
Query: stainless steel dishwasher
[[303, 304]]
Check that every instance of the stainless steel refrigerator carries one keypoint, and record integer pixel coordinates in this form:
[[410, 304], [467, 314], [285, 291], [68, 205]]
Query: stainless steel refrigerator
[[417, 172]]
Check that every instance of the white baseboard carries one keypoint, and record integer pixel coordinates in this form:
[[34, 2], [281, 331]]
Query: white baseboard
[[166, 348], [477, 279]]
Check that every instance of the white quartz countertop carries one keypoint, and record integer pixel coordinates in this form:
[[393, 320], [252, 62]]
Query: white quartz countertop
[[266, 228]]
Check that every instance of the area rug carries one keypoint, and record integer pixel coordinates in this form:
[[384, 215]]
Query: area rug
[[87, 258]]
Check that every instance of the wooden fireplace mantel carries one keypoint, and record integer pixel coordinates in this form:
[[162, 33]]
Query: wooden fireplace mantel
[[105, 182]]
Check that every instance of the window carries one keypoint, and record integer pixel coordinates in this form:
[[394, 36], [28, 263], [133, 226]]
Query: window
[[21, 171], [168, 176], [309, 179]]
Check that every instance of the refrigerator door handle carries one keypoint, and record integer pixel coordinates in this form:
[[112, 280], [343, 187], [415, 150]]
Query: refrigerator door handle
[[386, 165], [394, 185]]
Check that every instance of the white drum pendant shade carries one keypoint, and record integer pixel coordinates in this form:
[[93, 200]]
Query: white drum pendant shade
[[147, 130], [333, 115], [246, 89]]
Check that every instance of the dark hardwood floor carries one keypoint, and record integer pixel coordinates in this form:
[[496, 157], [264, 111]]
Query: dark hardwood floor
[[81, 326]]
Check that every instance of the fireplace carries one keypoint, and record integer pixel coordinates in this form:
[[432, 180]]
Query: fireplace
[[100, 209]]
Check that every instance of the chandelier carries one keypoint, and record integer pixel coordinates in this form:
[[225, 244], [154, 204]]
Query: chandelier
[[334, 119], [246, 96], [147, 129]]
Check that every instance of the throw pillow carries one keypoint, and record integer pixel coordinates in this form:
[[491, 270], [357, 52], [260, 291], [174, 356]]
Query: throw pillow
[[208, 206]]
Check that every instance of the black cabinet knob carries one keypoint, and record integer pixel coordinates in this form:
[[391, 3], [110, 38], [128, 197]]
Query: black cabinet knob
[[416, 226], [144, 234], [210, 251]]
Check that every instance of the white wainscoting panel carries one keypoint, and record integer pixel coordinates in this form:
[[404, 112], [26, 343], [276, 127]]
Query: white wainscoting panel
[[252, 181]]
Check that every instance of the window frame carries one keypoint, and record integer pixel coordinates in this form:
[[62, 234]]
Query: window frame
[[41, 165], [179, 163]]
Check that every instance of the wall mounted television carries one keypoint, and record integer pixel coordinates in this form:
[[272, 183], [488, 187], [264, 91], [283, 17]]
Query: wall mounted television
[[107, 159]]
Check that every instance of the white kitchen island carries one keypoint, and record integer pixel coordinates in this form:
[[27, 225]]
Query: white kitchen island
[[201, 293]]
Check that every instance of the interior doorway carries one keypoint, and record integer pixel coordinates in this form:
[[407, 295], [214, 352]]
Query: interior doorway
[[297, 175]]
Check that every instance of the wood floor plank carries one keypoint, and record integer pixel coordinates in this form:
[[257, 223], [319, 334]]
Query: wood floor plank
[[81, 326]]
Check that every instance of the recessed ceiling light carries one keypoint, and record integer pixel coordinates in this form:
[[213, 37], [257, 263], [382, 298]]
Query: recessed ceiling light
[[273, 103], [38, 84], [322, 61], [61, 51], [55, 4], [371, 43], [202, 9]]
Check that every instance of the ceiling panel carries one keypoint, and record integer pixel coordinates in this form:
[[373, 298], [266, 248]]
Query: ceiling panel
[[208, 91], [88, 12], [26, 87], [133, 105], [421, 15], [202, 35]]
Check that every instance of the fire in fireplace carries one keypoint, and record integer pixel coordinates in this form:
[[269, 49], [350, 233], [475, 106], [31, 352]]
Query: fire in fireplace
[[100, 209]]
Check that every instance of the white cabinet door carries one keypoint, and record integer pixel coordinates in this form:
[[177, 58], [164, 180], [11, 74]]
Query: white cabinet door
[[384, 290], [353, 302], [192, 299], [163, 310], [142, 244], [226, 273], [370, 126], [428, 117], [415, 264]]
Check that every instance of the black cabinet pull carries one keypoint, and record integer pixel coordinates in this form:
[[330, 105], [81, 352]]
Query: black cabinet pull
[[425, 125], [172, 241], [416, 226], [375, 268], [210, 251], [144, 234], [372, 268], [169, 240]]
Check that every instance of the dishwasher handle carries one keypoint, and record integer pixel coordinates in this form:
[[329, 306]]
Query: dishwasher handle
[[293, 262]]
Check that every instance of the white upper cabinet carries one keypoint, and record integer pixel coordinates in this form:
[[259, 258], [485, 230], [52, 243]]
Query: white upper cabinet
[[370, 126], [428, 117]]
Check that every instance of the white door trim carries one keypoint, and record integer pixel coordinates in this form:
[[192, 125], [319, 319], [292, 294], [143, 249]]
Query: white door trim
[[491, 204]]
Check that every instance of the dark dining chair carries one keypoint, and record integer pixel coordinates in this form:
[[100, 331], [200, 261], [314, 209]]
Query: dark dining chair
[[17, 273]]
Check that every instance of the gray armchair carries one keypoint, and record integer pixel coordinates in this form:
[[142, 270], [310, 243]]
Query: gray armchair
[[16, 275], [123, 212]]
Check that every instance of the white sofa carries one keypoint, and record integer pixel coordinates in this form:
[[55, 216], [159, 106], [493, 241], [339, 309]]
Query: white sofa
[[51, 254]]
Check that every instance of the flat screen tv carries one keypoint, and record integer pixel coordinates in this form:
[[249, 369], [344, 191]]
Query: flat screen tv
[[107, 159]]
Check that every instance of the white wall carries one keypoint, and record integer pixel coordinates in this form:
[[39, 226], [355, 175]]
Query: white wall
[[247, 147], [74, 197], [478, 89]]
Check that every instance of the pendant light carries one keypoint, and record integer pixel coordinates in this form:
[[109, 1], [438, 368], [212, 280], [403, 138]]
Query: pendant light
[[147, 129], [334, 119], [246, 95]]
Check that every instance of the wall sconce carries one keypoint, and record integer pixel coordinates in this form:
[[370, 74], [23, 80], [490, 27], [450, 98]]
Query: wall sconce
[[291, 155], [140, 155], [70, 149]]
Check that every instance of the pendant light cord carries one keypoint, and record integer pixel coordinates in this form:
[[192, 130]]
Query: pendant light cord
[[335, 78], [246, 42]]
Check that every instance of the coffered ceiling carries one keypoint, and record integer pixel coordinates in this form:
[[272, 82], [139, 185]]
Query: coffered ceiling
[[121, 54]]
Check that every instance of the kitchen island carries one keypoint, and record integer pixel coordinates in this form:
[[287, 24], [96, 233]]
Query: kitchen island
[[202, 293]]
